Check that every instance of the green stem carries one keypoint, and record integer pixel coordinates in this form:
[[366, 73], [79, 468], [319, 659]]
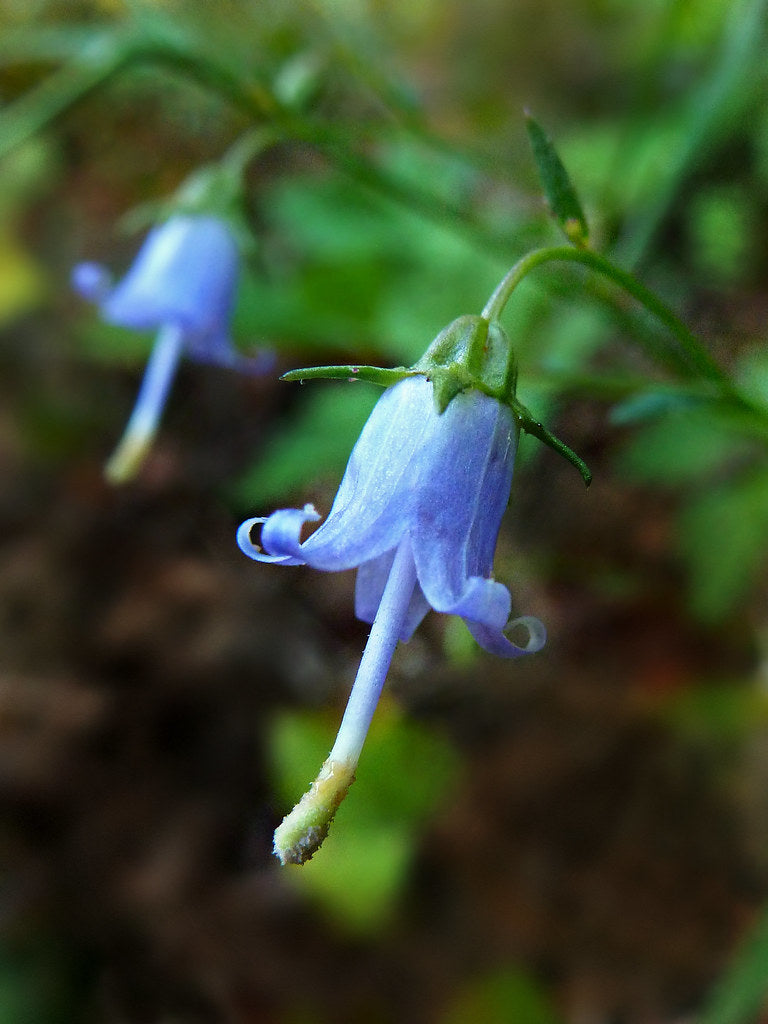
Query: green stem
[[695, 352]]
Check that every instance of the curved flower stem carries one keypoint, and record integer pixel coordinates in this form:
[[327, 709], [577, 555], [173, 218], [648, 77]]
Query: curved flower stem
[[142, 426], [697, 355], [302, 832], [258, 101]]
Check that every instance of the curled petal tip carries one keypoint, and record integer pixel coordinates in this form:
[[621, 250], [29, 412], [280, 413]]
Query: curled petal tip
[[496, 642], [537, 632], [244, 541], [280, 535]]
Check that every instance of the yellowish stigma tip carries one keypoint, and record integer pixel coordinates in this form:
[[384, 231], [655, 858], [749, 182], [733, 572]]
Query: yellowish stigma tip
[[126, 460], [302, 832]]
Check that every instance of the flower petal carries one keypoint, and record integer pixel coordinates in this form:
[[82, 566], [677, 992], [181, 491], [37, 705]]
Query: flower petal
[[279, 536], [372, 508], [369, 587], [481, 600], [185, 273], [496, 642], [494, 497], [462, 490]]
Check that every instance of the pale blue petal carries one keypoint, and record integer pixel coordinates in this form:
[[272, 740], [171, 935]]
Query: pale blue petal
[[91, 281], [494, 496], [185, 273], [463, 488], [372, 508], [494, 640], [442, 480], [279, 536], [481, 600]]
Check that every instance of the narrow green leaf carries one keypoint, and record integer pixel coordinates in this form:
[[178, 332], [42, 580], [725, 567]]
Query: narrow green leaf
[[350, 372], [561, 196]]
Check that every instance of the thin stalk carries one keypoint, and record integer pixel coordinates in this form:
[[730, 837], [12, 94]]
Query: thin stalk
[[695, 352], [302, 832], [142, 426], [377, 656]]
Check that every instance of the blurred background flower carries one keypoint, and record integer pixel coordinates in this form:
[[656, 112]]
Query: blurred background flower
[[182, 284]]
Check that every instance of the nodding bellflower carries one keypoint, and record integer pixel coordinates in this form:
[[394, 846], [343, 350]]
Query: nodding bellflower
[[183, 284], [417, 514]]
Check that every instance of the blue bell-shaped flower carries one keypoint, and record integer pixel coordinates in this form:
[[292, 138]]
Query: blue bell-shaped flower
[[183, 284], [418, 514]]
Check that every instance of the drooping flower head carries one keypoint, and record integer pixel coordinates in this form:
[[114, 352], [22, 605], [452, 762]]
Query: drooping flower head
[[441, 482], [417, 514], [182, 284]]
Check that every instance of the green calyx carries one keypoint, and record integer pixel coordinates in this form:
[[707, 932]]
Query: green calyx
[[470, 353], [473, 352]]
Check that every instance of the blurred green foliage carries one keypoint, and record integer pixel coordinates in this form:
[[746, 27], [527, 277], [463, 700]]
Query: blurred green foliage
[[305, 446], [504, 996], [364, 863], [740, 996]]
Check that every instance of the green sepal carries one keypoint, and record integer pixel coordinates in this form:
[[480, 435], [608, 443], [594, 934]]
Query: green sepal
[[470, 353], [558, 188], [536, 428], [352, 372]]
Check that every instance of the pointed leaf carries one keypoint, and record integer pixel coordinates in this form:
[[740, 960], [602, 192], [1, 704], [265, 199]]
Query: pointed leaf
[[559, 191]]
